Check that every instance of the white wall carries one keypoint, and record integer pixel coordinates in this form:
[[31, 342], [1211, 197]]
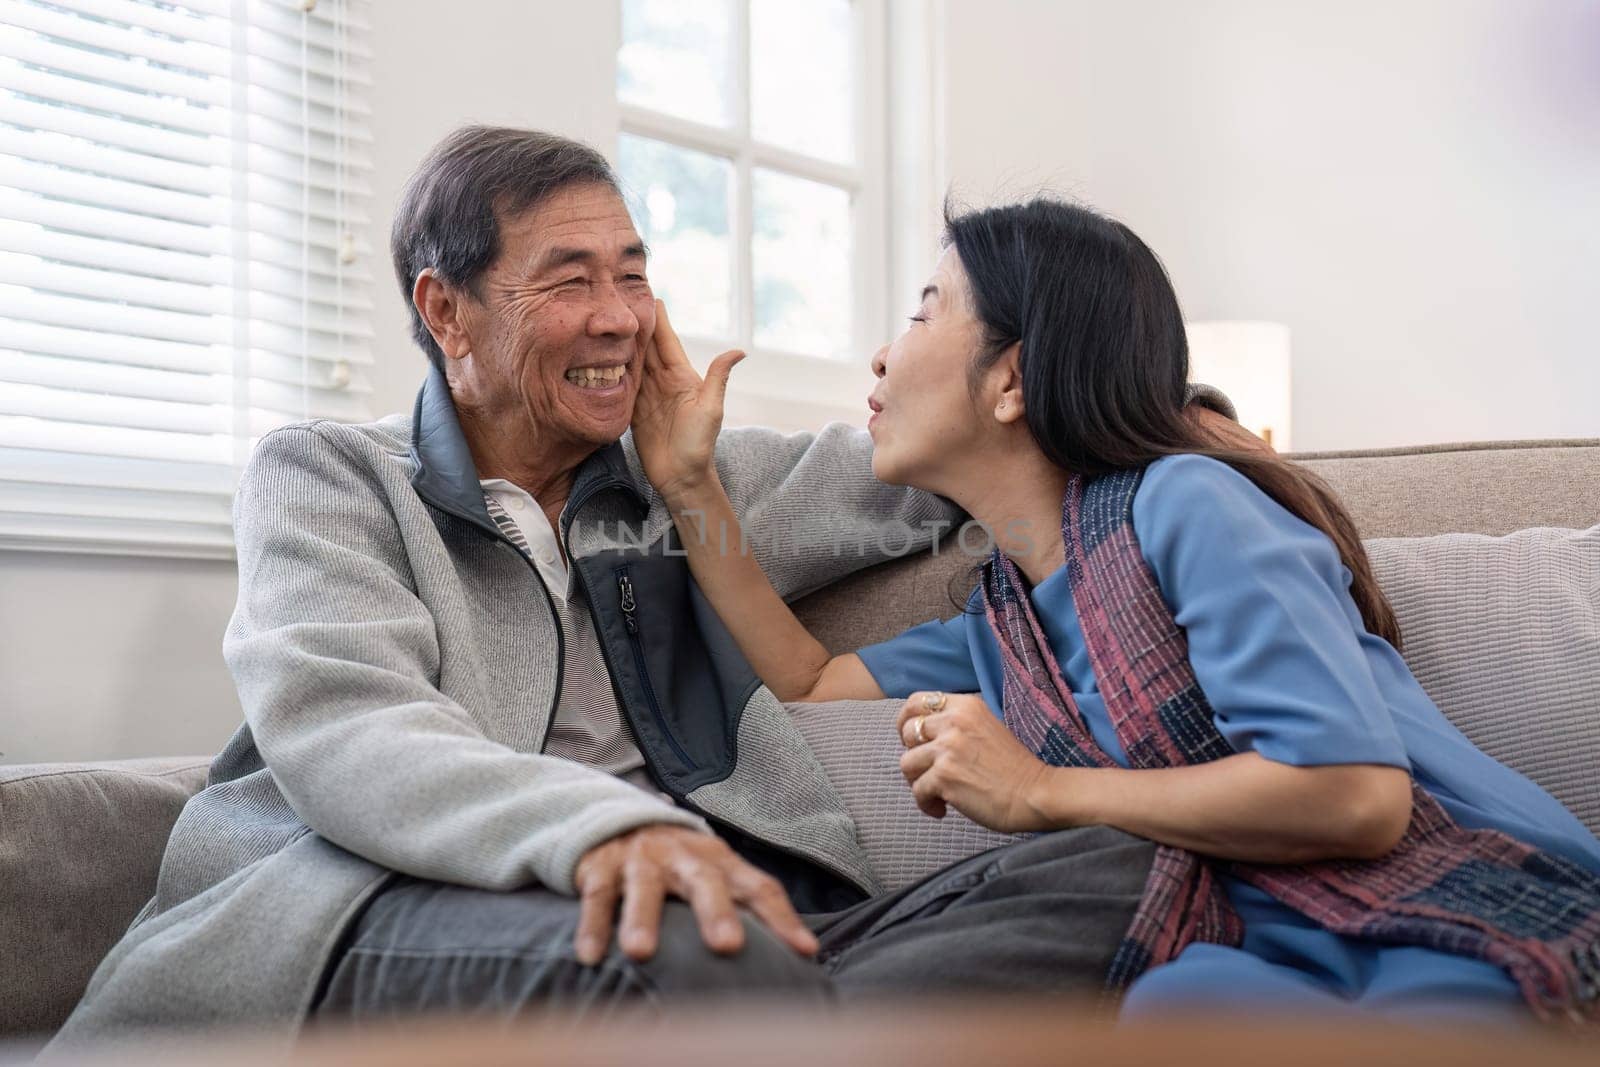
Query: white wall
[[1412, 186], [109, 657], [104, 657]]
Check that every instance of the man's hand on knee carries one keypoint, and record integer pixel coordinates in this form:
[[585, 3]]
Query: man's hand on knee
[[641, 868]]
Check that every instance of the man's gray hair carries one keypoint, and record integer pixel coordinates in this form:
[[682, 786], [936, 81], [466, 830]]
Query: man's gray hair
[[450, 211]]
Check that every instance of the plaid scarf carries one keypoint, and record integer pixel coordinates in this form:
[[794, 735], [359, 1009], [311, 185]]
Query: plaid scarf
[[1475, 893]]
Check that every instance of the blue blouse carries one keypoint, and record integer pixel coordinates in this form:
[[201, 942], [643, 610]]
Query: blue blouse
[[1277, 645]]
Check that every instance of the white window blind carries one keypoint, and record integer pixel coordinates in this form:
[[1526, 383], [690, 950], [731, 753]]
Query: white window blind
[[184, 203]]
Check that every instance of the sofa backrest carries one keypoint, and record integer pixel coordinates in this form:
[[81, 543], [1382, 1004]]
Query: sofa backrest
[[1486, 488], [1491, 488]]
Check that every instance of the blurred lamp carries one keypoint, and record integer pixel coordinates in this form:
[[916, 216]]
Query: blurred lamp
[[1249, 361]]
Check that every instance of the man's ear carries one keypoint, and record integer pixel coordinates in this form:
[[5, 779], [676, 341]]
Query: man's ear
[[439, 304], [1006, 381]]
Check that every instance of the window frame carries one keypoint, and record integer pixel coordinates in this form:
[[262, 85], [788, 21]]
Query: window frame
[[776, 387]]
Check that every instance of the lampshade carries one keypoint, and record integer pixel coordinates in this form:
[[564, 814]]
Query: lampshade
[[1249, 361]]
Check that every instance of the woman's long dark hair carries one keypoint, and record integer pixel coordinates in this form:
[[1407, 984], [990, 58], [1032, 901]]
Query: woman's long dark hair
[[1105, 362]]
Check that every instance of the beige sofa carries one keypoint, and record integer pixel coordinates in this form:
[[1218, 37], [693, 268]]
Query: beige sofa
[[1503, 631]]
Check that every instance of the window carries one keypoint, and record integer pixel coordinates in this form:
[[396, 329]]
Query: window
[[753, 152], [183, 266]]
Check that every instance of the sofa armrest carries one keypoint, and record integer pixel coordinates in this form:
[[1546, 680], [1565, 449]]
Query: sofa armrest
[[80, 847]]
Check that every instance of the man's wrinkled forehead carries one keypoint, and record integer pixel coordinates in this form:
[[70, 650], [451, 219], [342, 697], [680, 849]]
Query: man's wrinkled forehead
[[587, 224]]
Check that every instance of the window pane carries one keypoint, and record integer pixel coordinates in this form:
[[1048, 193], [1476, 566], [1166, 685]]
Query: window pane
[[801, 259], [679, 201], [802, 76], [677, 56]]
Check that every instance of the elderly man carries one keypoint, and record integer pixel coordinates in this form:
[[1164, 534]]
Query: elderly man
[[487, 711]]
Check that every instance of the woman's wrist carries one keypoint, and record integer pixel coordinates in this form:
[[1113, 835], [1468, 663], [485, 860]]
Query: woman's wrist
[[1063, 798], [692, 492], [703, 515]]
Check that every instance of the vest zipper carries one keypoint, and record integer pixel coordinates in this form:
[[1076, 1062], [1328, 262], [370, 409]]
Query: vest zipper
[[630, 622]]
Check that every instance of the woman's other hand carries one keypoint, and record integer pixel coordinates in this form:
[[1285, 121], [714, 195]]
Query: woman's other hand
[[960, 755], [677, 415]]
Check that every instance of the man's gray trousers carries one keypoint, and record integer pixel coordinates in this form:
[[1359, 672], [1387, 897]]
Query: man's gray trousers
[[1045, 914]]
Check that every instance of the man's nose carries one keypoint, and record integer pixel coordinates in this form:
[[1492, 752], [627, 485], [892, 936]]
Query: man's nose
[[612, 316], [878, 359]]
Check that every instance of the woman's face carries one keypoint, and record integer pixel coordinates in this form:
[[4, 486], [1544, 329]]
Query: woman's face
[[925, 420]]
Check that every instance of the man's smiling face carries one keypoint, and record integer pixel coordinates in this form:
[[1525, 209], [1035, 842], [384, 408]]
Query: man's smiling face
[[563, 312]]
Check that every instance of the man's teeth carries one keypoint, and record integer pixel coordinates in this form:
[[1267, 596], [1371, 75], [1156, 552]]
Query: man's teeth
[[596, 377]]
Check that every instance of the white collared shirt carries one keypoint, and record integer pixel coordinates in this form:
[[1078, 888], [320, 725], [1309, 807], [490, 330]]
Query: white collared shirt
[[588, 726], [539, 541]]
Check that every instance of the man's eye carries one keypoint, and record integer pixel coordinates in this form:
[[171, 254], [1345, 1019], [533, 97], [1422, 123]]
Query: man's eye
[[573, 281], [634, 278]]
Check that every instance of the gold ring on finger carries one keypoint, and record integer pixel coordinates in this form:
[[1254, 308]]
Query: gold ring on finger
[[922, 738], [933, 701]]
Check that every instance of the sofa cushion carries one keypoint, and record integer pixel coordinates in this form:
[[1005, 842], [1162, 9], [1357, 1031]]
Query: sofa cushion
[[80, 845], [856, 743], [1504, 634]]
